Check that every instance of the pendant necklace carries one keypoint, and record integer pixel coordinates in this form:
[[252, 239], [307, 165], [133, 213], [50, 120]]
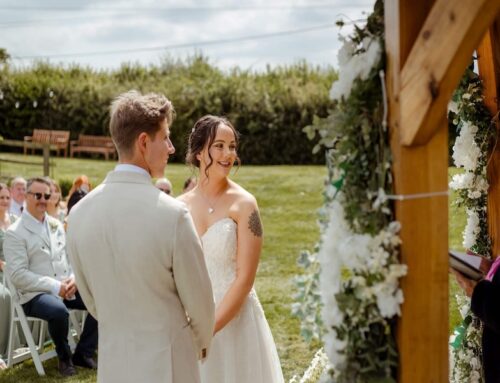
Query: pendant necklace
[[211, 206]]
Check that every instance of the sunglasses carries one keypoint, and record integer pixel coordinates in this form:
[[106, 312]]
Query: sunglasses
[[38, 196], [166, 191]]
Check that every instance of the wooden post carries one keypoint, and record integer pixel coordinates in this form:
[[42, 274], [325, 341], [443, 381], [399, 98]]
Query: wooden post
[[423, 328], [46, 160], [489, 70]]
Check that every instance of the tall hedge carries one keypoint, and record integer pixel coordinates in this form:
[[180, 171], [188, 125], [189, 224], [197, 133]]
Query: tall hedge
[[269, 108]]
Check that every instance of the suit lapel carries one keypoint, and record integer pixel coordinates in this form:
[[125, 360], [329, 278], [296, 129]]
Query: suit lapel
[[36, 229]]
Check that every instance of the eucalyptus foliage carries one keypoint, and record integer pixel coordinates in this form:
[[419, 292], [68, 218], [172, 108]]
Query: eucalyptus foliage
[[476, 138], [352, 278]]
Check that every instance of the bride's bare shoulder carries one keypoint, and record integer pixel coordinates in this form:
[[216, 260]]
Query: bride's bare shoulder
[[243, 200], [186, 197]]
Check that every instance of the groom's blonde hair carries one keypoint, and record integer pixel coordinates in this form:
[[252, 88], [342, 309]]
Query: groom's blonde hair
[[132, 113]]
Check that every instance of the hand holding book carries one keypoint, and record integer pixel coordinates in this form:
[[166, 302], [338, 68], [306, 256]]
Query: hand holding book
[[470, 265]]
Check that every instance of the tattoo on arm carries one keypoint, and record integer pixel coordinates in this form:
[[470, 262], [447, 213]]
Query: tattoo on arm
[[254, 224]]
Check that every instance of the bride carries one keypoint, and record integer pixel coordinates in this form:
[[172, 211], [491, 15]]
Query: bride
[[227, 219]]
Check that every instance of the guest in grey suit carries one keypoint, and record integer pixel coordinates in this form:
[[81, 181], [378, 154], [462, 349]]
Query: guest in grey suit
[[38, 267]]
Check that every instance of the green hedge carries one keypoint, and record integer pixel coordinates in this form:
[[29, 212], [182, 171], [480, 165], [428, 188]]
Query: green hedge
[[269, 108]]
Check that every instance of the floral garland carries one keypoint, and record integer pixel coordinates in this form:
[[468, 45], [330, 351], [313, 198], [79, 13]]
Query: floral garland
[[470, 152], [353, 279], [315, 370]]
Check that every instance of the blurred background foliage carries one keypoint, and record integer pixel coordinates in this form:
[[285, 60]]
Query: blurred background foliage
[[269, 108]]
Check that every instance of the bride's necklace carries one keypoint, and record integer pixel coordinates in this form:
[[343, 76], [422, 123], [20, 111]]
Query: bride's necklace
[[211, 206]]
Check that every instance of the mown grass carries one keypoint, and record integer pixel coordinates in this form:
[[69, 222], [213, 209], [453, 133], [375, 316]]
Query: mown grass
[[288, 197]]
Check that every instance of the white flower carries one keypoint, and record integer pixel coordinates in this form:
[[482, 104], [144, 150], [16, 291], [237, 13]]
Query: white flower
[[352, 67], [346, 52], [388, 300], [472, 229], [465, 151], [474, 194], [453, 107], [380, 200], [316, 368], [462, 181], [330, 191]]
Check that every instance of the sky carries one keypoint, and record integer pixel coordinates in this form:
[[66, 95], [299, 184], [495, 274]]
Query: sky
[[250, 34]]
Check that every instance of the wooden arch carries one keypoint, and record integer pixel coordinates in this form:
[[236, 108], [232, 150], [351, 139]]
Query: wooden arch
[[429, 43]]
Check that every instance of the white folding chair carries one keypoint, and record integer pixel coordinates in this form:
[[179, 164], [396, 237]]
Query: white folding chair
[[35, 350]]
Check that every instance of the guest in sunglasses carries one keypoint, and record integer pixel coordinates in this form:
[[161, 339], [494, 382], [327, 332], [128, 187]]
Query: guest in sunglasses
[[38, 267]]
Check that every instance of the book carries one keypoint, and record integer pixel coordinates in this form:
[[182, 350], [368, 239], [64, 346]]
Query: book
[[467, 264]]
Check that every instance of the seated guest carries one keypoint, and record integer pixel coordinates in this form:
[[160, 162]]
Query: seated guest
[[485, 295], [5, 221], [17, 195], [37, 265], [81, 186], [54, 206], [164, 185], [189, 184]]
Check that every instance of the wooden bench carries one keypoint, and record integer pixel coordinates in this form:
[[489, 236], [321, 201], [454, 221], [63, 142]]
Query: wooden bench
[[93, 144], [58, 140]]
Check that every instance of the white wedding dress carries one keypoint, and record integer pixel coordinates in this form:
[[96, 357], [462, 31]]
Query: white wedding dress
[[244, 350]]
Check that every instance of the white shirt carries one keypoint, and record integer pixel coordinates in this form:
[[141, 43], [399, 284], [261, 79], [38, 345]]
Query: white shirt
[[15, 208], [131, 168]]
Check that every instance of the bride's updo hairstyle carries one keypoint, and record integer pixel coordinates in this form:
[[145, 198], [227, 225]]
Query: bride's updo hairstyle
[[203, 135]]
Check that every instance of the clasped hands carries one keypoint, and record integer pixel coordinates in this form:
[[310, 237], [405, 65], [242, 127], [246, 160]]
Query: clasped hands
[[68, 288]]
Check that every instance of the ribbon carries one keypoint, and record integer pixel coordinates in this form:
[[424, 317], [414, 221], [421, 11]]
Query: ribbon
[[460, 333]]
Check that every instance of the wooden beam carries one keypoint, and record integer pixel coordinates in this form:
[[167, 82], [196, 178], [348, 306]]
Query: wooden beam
[[452, 30], [489, 70], [423, 327]]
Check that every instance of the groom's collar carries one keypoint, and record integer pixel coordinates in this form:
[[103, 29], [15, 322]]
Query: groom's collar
[[131, 168], [126, 176]]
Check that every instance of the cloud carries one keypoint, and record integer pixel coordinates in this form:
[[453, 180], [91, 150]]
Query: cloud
[[52, 28]]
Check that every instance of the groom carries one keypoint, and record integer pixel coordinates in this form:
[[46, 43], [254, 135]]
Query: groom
[[137, 258]]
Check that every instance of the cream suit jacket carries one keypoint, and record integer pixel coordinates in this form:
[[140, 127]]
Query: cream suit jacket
[[140, 270], [35, 260]]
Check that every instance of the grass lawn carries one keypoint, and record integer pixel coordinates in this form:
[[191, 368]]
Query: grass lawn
[[289, 197]]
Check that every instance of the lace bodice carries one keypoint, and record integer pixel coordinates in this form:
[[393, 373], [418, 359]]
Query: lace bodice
[[220, 246], [244, 350]]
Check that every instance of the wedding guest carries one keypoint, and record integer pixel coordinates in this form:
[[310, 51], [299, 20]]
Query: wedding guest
[[54, 206], [37, 265], [227, 219], [164, 185], [6, 219], [18, 195], [189, 184], [81, 186], [484, 304]]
